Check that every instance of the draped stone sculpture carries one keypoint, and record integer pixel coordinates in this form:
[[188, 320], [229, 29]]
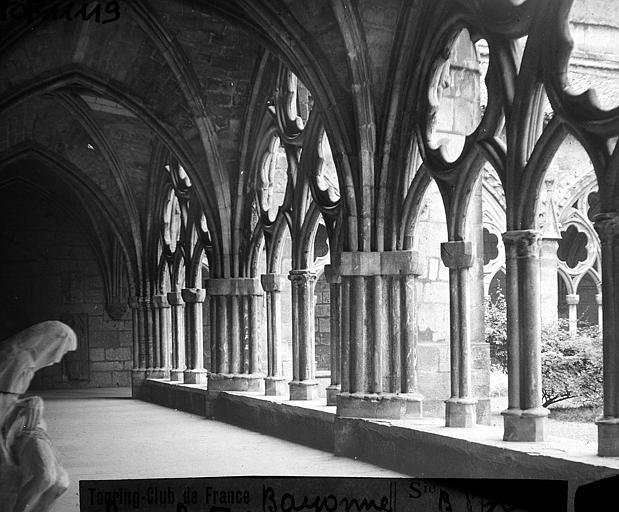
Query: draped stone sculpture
[[31, 478]]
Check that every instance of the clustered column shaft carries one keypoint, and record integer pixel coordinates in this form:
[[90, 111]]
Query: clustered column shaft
[[275, 383], [177, 318], [461, 407], [378, 335], [161, 336], [236, 348], [304, 385], [194, 335], [607, 226], [333, 278], [525, 418], [143, 350]]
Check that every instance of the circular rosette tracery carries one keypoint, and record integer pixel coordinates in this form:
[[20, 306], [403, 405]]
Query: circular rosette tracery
[[292, 105], [272, 181]]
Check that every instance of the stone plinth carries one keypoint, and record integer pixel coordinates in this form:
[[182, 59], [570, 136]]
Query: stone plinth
[[236, 382], [303, 390], [461, 412], [275, 386], [524, 425], [383, 406]]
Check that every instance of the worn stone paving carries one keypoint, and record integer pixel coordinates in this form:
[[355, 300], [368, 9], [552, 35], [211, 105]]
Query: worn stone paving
[[100, 437]]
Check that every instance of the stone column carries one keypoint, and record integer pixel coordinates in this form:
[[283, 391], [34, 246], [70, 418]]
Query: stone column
[[379, 335], [332, 275], [525, 418], [304, 385], [607, 226], [236, 351], [194, 336], [177, 313], [146, 347], [160, 336], [156, 318], [272, 284], [142, 342], [549, 288], [572, 301], [135, 319], [598, 300], [138, 373], [460, 409]]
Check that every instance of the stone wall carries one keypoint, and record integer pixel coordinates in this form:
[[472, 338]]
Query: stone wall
[[48, 272], [322, 315], [433, 302]]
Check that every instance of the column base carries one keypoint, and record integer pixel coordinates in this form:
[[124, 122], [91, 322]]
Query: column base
[[157, 373], [332, 391], [461, 412], [177, 375], [303, 389], [379, 406], [251, 382], [138, 376], [275, 386], [526, 425], [195, 376], [608, 437]]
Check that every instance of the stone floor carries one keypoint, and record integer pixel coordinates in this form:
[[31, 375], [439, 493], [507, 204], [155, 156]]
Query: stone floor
[[103, 434]]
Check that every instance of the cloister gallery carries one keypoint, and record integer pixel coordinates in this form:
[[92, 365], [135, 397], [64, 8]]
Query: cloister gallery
[[287, 214]]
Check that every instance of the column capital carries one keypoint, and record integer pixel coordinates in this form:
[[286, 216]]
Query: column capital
[[525, 242], [386, 263], [272, 282], [234, 286], [598, 299], [175, 298], [302, 277], [193, 294], [139, 302], [457, 254], [607, 226], [332, 274], [160, 301], [572, 299]]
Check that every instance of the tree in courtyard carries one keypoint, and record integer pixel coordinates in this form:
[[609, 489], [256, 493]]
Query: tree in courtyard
[[571, 365]]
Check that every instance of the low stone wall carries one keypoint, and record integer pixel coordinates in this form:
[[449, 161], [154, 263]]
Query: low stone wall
[[422, 447]]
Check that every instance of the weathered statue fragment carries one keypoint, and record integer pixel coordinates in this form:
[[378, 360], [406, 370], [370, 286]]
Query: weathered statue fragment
[[31, 479]]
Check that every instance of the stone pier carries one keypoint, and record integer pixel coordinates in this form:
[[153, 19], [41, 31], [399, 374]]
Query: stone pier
[[460, 410], [304, 385], [275, 383], [379, 335], [236, 351], [525, 418], [194, 373]]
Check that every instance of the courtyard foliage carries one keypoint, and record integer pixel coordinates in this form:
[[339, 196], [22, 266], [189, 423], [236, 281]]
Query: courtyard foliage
[[571, 365]]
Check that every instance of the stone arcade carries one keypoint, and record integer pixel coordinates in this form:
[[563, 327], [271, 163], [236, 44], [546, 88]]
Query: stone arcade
[[286, 213]]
